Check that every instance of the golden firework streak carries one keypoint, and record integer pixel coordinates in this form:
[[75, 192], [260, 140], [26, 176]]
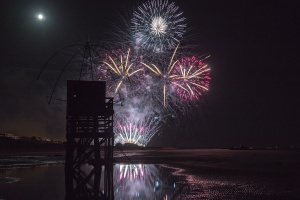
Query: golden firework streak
[[122, 70]]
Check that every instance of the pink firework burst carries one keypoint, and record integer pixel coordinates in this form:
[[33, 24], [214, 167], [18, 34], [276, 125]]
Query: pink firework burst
[[190, 77]]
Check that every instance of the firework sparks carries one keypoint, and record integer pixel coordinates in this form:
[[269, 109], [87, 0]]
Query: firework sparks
[[191, 77], [188, 76], [136, 131], [165, 74], [149, 86], [123, 68], [158, 25]]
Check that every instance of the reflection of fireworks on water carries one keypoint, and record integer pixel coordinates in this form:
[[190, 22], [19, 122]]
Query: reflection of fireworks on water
[[131, 172], [134, 181], [158, 25], [134, 130], [141, 181]]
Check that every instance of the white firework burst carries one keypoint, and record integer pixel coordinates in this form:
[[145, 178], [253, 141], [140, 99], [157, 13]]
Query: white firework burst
[[158, 25]]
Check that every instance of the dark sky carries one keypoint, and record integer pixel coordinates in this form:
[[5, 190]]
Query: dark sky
[[254, 47]]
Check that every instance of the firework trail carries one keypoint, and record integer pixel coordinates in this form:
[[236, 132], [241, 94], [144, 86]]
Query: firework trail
[[121, 71], [164, 73], [137, 129], [158, 25], [163, 90], [183, 79], [190, 76]]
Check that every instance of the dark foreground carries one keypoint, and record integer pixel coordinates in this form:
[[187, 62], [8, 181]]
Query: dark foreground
[[164, 174]]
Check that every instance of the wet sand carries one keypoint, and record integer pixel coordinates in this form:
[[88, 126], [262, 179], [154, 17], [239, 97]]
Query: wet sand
[[253, 160], [227, 174], [197, 174], [284, 161]]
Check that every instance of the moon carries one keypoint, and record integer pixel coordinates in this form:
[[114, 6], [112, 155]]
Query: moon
[[40, 17]]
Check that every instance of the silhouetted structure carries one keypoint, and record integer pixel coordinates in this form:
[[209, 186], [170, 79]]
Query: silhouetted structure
[[89, 152]]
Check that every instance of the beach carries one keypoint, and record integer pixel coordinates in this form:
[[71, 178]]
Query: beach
[[160, 173]]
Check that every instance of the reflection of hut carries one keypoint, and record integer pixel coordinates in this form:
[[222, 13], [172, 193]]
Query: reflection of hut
[[9, 135]]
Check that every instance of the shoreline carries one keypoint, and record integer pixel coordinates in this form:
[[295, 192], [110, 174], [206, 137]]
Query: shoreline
[[282, 161]]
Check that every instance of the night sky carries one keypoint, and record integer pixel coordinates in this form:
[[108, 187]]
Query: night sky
[[255, 54]]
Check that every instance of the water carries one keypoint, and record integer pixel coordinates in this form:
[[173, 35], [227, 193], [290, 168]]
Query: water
[[213, 179], [34, 176]]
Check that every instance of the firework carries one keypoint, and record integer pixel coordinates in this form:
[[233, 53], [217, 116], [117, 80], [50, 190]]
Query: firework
[[190, 76], [164, 73], [150, 86], [120, 69], [158, 25], [137, 132], [183, 79]]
